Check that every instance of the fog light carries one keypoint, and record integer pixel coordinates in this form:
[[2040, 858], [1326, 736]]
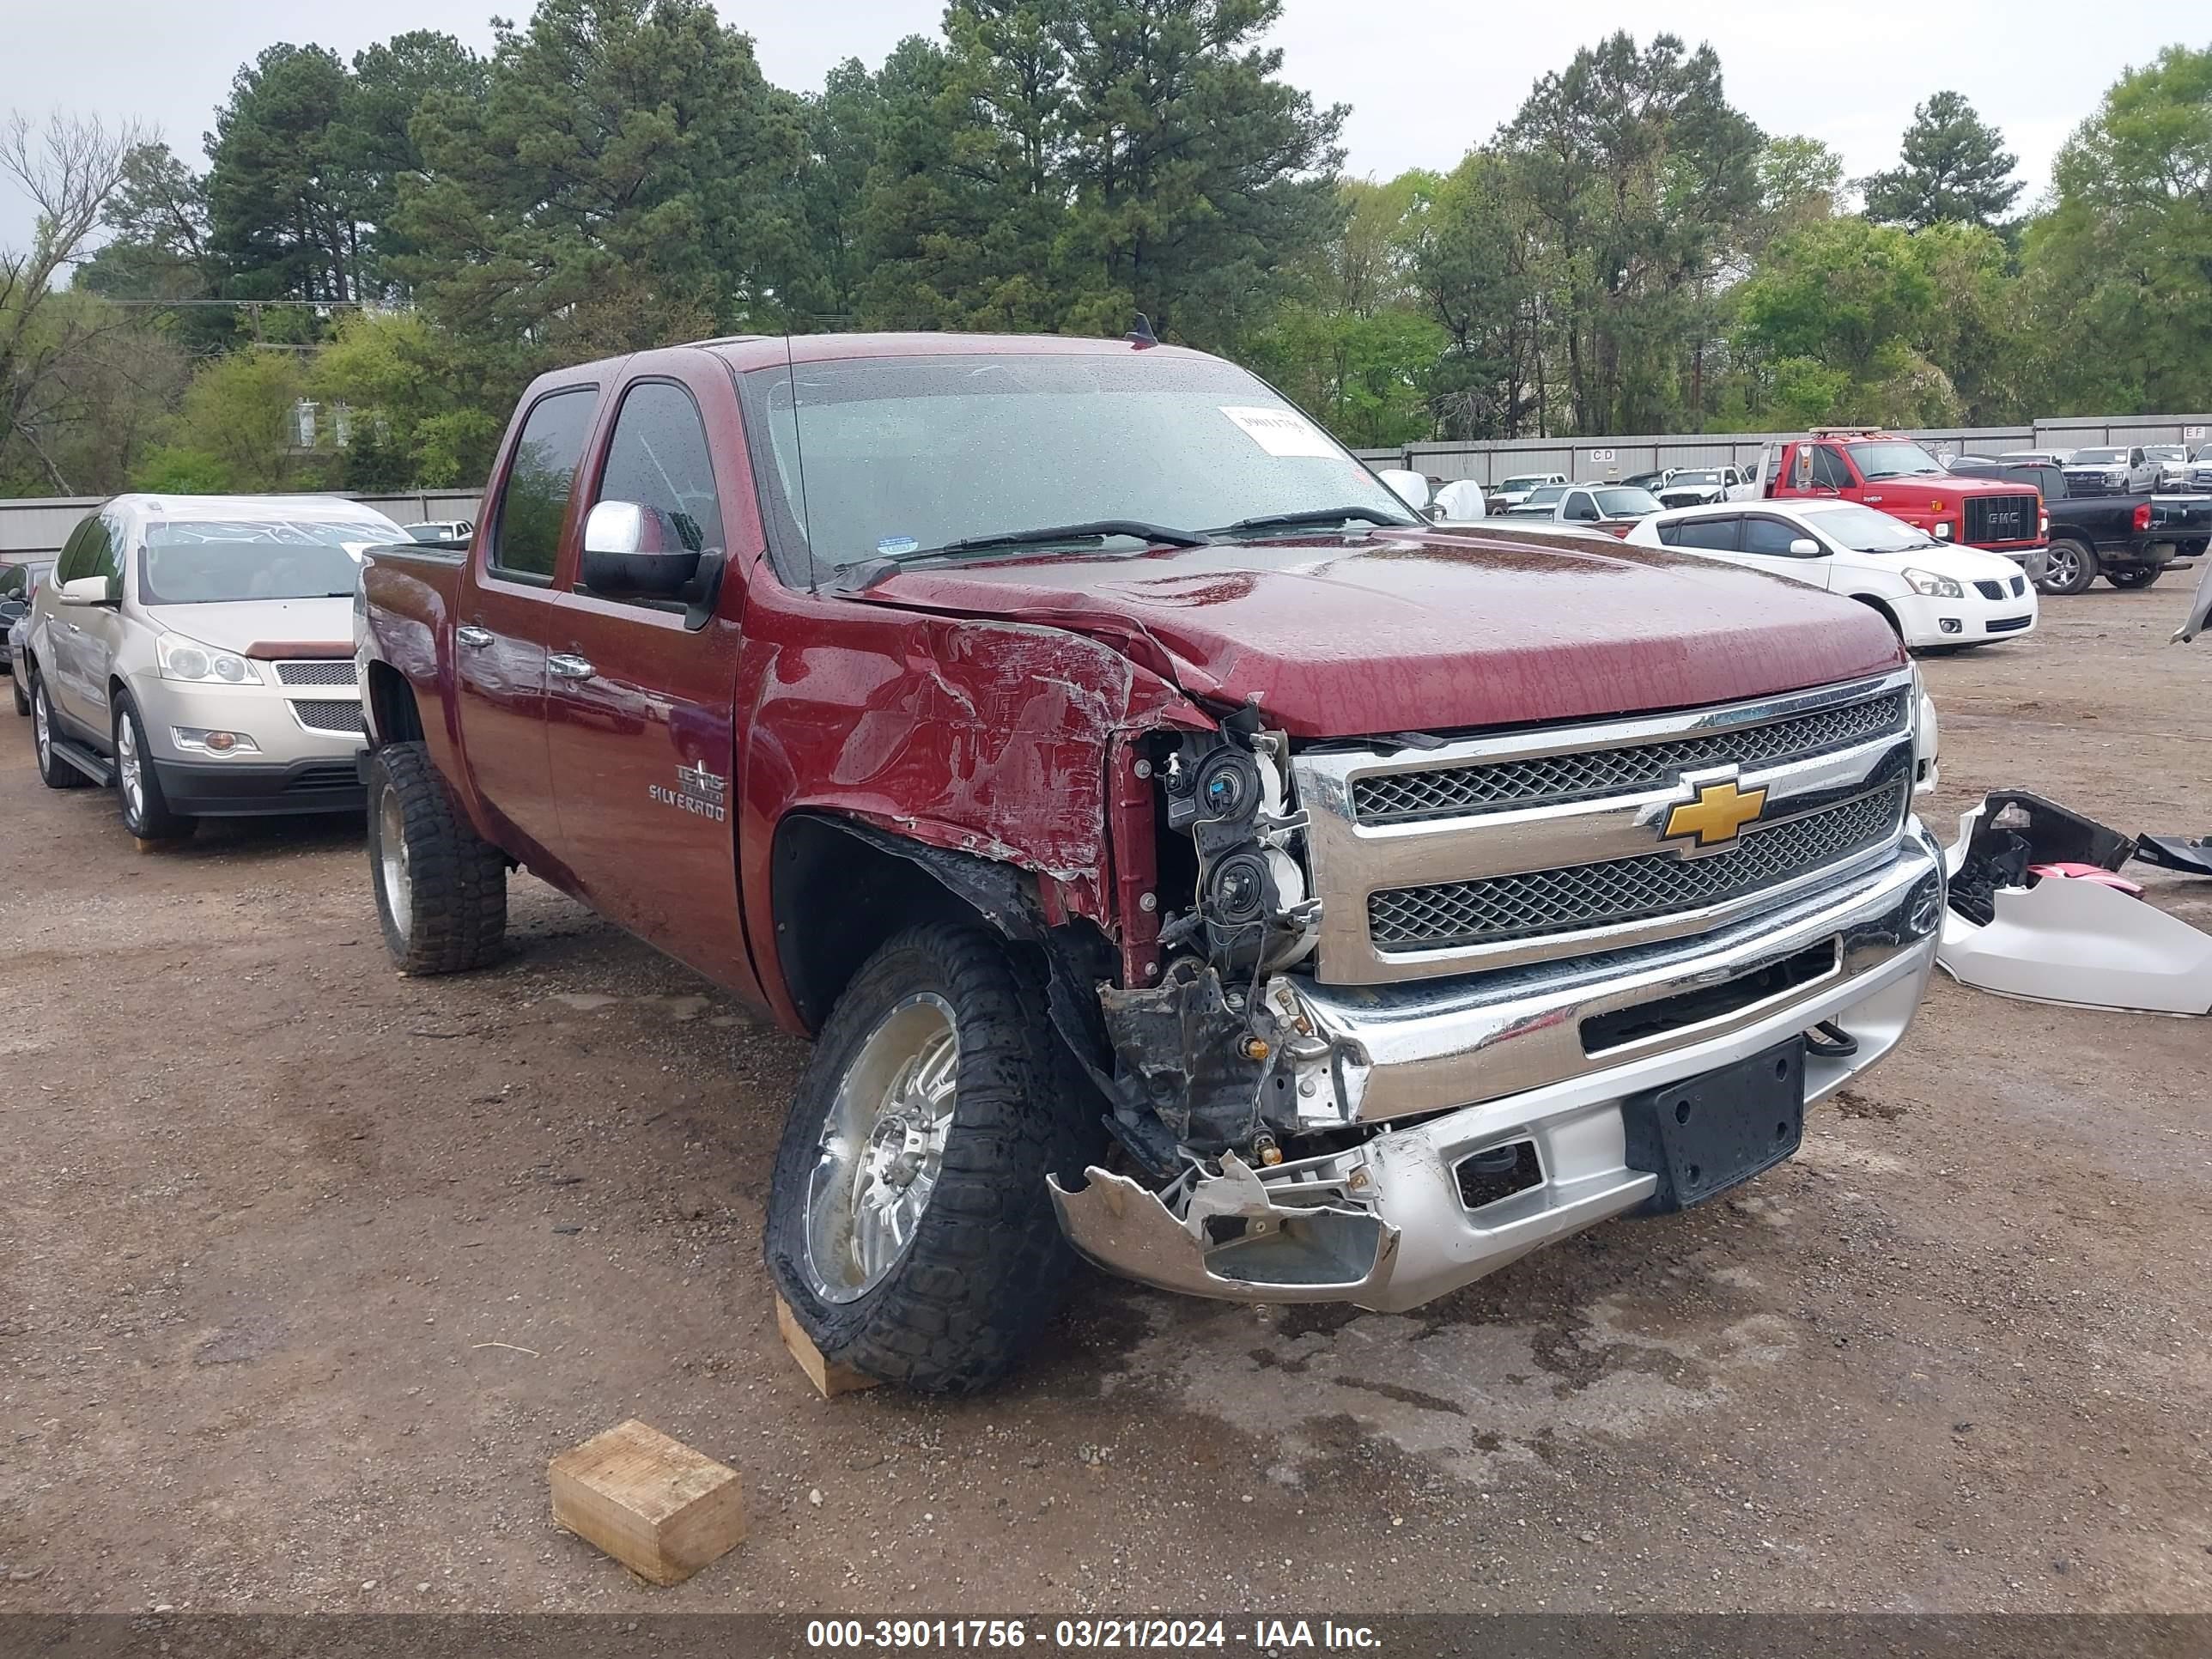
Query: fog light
[[1949, 624], [200, 741]]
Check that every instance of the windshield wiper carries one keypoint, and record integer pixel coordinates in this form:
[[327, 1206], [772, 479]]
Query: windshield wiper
[[1094, 530], [1313, 515], [855, 578]]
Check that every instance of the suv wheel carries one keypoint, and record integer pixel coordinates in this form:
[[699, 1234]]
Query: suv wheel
[[146, 811], [2073, 567], [53, 771], [2136, 575], [440, 888], [909, 1229]]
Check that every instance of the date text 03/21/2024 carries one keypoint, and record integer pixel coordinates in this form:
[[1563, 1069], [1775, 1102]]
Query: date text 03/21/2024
[[1261, 1635]]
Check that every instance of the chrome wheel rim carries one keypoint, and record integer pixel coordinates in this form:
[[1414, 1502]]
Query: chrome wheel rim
[[391, 860], [882, 1148], [40, 734], [2064, 567], [128, 771]]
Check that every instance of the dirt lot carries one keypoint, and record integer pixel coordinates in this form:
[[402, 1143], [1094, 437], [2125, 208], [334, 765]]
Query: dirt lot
[[309, 1269]]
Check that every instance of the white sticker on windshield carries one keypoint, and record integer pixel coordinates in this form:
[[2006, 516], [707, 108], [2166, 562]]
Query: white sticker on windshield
[[1279, 431]]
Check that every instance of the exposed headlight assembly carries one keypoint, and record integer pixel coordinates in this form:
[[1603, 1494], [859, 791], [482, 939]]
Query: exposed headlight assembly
[[181, 658], [1933, 585]]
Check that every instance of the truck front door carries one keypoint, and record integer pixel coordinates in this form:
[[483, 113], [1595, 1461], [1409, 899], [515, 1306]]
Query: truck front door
[[506, 611], [639, 711]]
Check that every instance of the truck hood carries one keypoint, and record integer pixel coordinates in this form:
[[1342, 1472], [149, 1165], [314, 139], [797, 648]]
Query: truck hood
[[240, 625], [1441, 629]]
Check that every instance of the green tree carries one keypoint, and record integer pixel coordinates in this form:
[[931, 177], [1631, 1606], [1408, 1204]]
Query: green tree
[[238, 415], [418, 419], [284, 199], [374, 138], [1642, 171], [628, 178], [1480, 264], [1955, 167], [2116, 272], [1197, 173]]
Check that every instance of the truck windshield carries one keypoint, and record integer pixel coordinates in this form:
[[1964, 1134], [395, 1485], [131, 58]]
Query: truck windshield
[[884, 457], [2099, 457], [212, 561], [1626, 503], [1863, 530], [1895, 458], [1545, 494]]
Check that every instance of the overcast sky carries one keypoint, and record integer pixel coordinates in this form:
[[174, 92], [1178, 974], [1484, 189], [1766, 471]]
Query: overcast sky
[[1426, 78]]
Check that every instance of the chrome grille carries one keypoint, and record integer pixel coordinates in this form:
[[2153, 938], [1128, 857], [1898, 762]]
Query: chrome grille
[[1445, 791], [2002, 518], [327, 713], [334, 673], [1583, 896]]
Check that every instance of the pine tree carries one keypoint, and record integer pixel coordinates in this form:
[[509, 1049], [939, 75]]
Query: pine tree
[[1954, 169]]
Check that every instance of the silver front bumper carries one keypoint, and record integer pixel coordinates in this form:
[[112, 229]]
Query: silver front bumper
[[1383, 1224]]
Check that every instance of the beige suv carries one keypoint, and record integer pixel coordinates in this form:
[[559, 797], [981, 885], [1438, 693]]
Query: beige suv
[[197, 652]]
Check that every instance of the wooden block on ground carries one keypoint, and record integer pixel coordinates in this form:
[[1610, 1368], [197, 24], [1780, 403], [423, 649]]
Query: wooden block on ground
[[831, 1380], [658, 1507]]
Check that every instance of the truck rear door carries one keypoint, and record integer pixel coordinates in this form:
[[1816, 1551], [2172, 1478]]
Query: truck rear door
[[505, 612], [640, 700]]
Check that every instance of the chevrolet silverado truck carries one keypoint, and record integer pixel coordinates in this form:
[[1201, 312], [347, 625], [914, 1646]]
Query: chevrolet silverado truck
[[2129, 540], [1179, 850], [1896, 474]]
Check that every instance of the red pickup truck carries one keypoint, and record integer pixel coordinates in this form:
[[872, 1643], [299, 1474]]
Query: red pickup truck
[[1896, 474], [1174, 847]]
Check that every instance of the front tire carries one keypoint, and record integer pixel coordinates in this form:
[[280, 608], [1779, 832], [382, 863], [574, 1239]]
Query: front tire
[[2132, 577], [2073, 567], [440, 888], [146, 811], [909, 1229], [53, 771]]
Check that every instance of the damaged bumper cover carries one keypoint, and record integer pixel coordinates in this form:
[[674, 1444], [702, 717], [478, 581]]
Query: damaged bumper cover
[[1546, 1059]]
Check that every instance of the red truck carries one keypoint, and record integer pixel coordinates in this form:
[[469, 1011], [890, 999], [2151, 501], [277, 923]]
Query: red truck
[[1175, 847], [1896, 474]]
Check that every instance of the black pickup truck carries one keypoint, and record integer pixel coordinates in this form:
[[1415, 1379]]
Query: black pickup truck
[[2131, 539]]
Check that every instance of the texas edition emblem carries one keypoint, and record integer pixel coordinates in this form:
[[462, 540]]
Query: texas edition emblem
[[1714, 815], [697, 791]]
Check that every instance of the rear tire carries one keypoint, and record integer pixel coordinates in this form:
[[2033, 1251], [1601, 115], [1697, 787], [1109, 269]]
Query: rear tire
[[440, 888], [948, 1303], [2073, 567], [145, 809], [2131, 577], [53, 771]]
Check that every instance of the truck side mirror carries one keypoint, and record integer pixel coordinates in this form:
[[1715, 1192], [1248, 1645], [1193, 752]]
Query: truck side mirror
[[632, 550]]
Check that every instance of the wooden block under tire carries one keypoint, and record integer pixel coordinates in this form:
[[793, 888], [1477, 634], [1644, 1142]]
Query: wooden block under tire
[[830, 1380], [658, 1507]]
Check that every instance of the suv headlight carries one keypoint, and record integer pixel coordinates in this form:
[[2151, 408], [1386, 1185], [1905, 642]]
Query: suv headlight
[[181, 658], [1935, 586]]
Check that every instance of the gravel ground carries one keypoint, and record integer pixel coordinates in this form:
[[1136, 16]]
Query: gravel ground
[[311, 1268]]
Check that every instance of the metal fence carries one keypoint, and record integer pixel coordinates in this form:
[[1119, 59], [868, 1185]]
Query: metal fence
[[1491, 462], [31, 527]]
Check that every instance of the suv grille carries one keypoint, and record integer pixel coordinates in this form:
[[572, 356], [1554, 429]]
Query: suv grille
[[1401, 797], [327, 713], [339, 672], [2002, 518], [1586, 896]]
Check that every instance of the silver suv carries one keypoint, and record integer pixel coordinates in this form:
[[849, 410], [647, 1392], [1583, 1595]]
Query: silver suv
[[197, 652]]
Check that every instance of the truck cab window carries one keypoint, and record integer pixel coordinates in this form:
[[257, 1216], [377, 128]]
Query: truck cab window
[[659, 459], [1829, 471], [526, 534]]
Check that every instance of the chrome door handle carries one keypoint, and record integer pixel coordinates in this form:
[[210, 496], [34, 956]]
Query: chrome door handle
[[472, 635], [567, 668], [76, 627]]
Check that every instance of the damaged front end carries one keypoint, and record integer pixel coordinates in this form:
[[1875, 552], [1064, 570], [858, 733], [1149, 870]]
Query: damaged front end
[[1381, 1128]]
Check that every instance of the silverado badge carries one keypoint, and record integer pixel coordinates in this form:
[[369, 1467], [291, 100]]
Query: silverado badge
[[1714, 815]]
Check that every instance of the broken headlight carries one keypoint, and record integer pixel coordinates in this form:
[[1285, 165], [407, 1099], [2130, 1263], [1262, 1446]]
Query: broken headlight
[[1229, 792]]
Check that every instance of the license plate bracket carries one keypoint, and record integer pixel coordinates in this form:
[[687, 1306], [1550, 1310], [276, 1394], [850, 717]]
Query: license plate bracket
[[1705, 1134]]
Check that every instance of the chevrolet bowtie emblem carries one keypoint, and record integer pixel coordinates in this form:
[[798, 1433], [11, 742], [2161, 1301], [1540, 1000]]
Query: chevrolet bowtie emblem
[[1718, 812]]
